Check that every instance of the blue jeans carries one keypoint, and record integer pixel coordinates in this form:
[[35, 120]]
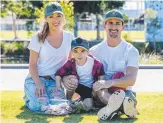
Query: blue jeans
[[50, 97]]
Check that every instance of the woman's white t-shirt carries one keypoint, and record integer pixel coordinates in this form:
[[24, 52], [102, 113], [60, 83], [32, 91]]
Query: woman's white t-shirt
[[50, 58]]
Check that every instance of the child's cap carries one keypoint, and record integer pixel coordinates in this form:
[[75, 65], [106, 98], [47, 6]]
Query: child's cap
[[79, 42], [52, 7]]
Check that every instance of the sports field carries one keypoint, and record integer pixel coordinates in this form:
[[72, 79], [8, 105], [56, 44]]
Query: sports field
[[91, 35]]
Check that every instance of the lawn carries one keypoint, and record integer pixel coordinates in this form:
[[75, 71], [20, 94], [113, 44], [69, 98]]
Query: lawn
[[150, 106], [131, 35]]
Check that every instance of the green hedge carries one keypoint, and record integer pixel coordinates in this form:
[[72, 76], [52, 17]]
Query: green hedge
[[17, 48], [12, 48]]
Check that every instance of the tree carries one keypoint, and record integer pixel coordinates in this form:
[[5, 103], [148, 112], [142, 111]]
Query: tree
[[68, 10], [96, 7], [16, 9]]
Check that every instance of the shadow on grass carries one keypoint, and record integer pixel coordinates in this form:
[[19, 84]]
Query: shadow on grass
[[75, 118], [78, 117], [33, 117]]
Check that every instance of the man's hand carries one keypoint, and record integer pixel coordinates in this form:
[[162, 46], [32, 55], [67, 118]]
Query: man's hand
[[101, 84], [40, 89], [70, 82]]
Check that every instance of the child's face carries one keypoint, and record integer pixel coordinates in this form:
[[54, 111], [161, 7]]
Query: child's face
[[80, 54]]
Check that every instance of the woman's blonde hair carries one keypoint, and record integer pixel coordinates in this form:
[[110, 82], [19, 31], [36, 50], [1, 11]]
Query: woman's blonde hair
[[42, 34]]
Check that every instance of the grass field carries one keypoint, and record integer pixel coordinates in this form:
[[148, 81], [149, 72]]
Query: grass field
[[150, 106], [132, 35]]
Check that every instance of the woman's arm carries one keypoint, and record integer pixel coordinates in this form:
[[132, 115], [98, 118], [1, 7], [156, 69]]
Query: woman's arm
[[40, 90], [58, 82]]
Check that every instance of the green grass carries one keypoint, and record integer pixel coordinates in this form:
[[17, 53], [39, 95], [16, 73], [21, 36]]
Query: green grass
[[131, 35], [150, 106]]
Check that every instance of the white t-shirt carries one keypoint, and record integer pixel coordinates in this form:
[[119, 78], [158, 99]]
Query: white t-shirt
[[50, 58], [115, 59], [85, 72]]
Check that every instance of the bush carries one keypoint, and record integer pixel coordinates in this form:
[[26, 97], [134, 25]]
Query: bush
[[2, 46], [12, 48], [127, 38], [140, 46]]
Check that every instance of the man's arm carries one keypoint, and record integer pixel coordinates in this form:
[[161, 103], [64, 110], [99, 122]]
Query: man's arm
[[131, 72], [128, 80]]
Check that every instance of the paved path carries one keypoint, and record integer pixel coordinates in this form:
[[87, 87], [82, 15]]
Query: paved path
[[149, 80]]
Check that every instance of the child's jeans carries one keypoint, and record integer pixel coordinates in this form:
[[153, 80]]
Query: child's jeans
[[50, 97]]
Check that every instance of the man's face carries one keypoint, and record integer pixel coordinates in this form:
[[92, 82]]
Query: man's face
[[113, 28]]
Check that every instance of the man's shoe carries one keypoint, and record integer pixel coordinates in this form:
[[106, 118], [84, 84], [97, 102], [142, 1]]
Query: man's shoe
[[114, 103], [129, 108]]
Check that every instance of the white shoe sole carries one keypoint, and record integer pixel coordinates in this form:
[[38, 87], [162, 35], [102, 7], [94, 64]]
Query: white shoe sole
[[129, 108], [114, 103]]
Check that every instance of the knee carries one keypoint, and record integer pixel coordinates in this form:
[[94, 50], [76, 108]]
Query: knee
[[101, 93], [88, 104], [70, 82], [33, 106]]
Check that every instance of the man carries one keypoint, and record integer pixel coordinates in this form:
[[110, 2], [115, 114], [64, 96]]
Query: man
[[120, 60]]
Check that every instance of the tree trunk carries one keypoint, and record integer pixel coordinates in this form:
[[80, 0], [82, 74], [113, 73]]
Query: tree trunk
[[14, 26], [76, 26], [98, 27]]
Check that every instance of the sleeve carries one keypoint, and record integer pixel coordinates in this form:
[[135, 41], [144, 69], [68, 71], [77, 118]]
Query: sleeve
[[101, 73], [71, 38], [64, 70], [99, 68], [133, 57], [92, 51], [34, 44]]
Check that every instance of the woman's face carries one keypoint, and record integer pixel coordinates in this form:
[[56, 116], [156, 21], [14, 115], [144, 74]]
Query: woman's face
[[55, 21]]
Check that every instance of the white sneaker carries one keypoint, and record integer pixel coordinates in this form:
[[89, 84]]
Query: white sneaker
[[129, 108], [114, 103]]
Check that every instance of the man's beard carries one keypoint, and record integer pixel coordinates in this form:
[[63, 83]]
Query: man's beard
[[113, 35]]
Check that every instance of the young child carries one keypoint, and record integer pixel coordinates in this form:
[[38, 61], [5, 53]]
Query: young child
[[86, 68]]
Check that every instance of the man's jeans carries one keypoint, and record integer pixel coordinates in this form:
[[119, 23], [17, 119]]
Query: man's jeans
[[50, 97]]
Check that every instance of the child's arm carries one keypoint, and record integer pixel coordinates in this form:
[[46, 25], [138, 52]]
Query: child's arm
[[58, 82]]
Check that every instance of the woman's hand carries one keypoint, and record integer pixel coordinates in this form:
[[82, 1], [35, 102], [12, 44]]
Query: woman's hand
[[70, 82], [40, 89]]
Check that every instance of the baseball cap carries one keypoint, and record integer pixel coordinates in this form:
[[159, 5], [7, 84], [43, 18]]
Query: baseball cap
[[52, 7], [79, 42], [114, 14]]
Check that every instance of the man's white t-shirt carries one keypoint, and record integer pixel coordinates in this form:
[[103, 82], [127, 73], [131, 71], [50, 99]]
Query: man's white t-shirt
[[85, 72], [115, 59], [50, 58]]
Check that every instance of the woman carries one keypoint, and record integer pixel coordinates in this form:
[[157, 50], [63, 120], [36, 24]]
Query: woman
[[49, 50]]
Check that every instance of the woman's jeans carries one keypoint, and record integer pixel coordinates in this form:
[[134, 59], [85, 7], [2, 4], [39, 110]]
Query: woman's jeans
[[50, 97]]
